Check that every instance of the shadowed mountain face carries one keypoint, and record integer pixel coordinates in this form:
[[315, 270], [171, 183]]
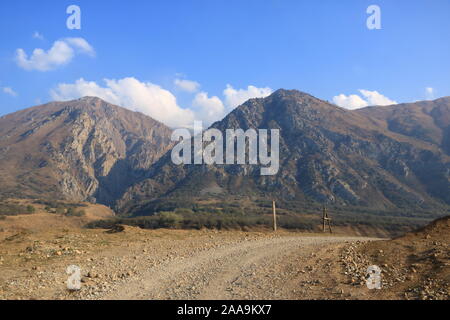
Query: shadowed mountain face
[[377, 157], [86, 149]]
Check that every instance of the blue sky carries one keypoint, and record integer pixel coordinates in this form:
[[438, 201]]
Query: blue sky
[[142, 47]]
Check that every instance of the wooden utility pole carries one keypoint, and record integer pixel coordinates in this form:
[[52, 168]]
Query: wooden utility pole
[[274, 211], [326, 219]]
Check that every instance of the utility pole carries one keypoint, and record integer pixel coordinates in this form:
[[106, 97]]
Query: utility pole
[[274, 211], [326, 219]]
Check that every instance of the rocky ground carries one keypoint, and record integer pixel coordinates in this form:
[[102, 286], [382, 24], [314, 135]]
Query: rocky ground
[[185, 264], [414, 266], [162, 264]]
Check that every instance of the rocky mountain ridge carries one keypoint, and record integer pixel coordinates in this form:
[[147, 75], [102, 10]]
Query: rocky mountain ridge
[[371, 157], [376, 157], [86, 149]]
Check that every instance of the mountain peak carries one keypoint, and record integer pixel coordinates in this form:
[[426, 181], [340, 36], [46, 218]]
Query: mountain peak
[[286, 92], [292, 93], [92, 99]]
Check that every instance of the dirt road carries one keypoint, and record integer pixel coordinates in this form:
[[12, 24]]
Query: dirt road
[[177, 264], [292, 267], [133, 263]]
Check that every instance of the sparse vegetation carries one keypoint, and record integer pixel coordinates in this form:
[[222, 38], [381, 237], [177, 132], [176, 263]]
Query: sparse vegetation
[[63, 208], [241, 212], [59, 204], [12, 209], [187, 219], [72, 212]]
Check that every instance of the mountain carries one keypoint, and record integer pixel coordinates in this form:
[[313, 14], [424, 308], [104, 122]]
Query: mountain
[[86, 149], [382, 158]]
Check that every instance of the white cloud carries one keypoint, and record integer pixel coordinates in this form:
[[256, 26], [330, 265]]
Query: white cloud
[[234, 98], [187, 85], [429, 93], [82, 45], [157, 102], [131, 93], [210, 109], [350, 102], [374, 98], [61, 53], [10, 91], [37, 35], [370, 98]]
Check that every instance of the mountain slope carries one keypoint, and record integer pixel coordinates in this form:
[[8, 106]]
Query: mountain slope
[[86, 149], [428, 121], [328, 155]]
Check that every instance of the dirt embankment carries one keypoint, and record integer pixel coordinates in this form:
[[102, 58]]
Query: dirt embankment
[[414, 266]]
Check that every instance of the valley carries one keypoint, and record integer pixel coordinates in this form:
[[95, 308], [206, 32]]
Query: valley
[[91, 184]]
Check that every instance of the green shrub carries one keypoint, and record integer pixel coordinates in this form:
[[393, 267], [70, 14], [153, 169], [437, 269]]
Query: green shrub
[[292, 214], [169, 219], [71, 212], [183, 211]]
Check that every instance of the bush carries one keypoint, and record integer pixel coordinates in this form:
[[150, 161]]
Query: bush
[[188, 221], [293, 214], [183, 211], [31, 209], [170, 219], [71, 212]]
